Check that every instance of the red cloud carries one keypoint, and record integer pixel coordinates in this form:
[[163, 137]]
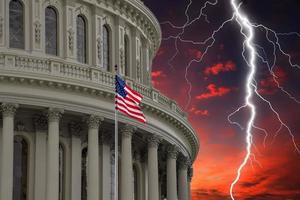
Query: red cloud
[[195, 53], [268, 86], [197, 111], [214, 91], [220, 67], [157, 74]]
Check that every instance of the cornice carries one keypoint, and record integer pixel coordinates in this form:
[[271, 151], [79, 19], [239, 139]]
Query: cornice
[[50, 73], [149, 105]]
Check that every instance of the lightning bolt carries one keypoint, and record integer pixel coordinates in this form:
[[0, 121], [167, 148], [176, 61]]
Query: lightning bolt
[[247, 30], [243, 21]]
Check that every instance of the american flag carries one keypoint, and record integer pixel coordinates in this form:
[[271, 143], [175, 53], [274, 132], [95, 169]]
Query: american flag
[[128, 101]]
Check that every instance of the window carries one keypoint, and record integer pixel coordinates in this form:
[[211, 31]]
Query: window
[[51, 31], [61, 171], [20, 168], [105, 48], [16, 24], [126, 49], [81, 39], [83, 174]]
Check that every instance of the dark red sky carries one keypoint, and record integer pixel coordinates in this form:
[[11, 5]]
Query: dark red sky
[[218, 89]]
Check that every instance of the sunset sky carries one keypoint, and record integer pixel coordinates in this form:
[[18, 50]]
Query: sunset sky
[[218, 83]]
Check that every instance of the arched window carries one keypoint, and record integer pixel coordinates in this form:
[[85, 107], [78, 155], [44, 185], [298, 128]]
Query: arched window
[[84, 174], [20, 168], [61, 171], [126, 54], [106, 39], [81, 39], [51, 31], [16, 24]]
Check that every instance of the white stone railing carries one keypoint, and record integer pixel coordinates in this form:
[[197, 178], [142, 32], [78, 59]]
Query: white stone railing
[[74, 71]]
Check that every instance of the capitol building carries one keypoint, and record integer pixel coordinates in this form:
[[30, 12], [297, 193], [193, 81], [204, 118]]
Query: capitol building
[[57, 92]]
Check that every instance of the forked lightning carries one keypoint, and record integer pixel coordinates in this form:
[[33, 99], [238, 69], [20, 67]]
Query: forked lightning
[[247, 30]]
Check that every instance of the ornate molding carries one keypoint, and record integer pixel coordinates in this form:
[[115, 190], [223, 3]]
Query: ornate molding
[[51, 3], [138, 69], [184, 162], [190, 174], [94, 121], [9, 109], [54, 114], [172, 151], [153, 141], [14, 69], [71, 39], [128, 130], [83, 10], [159, 107], [37, 31], [99, 49], [122, 58]]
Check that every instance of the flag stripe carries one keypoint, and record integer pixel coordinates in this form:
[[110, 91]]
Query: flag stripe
[[134, 96], [139, 118], [133, 110], [134, 93], [128, 101]]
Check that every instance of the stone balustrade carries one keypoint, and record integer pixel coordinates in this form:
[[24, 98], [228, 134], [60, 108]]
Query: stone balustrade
[[61, 68]]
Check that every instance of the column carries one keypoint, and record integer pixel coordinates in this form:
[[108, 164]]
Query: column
[[190, 175], [75, 129], [153, 184], [93, 158], [182, 179], [172, 153], [105, 151], [126, 164], [7, 148], [52, 178], [40, 124]]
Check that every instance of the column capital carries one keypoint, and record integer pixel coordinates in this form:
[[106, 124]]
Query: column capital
[[54, 114], [172, 151], [154, 140], [94, 121], [184, 163], [9, 109], [190, 174], [40, 122], [128, 130]]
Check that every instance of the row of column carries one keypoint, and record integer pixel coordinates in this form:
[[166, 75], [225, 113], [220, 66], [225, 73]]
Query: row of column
[[93, 172], [52, 163], [153, 176]]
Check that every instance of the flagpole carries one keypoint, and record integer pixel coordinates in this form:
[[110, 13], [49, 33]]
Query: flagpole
[[116, 144]]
